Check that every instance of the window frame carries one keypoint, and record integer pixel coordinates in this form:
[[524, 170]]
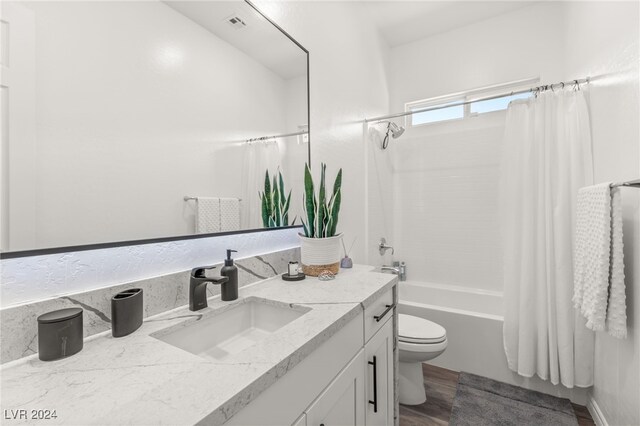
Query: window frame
[[466, 96]]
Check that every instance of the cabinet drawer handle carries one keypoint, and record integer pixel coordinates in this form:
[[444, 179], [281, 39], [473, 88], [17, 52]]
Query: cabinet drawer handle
[[375, 384], [378, 318]]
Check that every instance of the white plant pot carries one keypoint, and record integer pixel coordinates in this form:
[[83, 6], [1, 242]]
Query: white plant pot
[[320, 254]]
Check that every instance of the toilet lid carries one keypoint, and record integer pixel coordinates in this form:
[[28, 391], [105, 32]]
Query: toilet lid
[[419, 330]]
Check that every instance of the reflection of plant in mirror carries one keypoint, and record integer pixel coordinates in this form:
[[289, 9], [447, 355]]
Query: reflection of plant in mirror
[[322, 216], [275, 207]]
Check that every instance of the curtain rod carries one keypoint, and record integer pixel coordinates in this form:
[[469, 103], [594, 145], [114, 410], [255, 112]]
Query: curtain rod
[[537, 89], [284, 135]]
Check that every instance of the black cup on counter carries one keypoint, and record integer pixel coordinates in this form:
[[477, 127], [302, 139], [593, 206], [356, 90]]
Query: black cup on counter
[[126, 312], [60, 334]]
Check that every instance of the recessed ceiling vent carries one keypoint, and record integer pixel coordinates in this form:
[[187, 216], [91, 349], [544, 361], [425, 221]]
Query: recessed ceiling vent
[[236, 21]]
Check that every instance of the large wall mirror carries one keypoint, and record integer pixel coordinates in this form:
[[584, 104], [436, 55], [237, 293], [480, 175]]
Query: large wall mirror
[[144, 120]]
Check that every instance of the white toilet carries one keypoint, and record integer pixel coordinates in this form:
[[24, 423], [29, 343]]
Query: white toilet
[[419, 340]]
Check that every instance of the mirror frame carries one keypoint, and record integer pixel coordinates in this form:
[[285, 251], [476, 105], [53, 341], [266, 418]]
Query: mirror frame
[[97, 246]]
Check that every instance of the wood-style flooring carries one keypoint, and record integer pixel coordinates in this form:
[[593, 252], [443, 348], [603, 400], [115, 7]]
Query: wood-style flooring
[[440, 385]]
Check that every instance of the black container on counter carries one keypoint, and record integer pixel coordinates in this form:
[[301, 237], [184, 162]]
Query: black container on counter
[[126, 312], [60, 334], [229, 290]]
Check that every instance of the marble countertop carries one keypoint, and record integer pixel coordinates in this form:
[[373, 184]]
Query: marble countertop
[[139, 379]]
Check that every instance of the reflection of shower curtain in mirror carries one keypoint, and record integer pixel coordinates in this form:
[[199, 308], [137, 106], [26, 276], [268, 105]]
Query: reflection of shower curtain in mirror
[[258, 157]]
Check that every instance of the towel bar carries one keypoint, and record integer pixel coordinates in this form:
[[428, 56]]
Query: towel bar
[[189, 198], [629, 183]]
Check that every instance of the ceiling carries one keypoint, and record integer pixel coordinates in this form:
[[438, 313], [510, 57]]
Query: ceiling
[[259, 39], [402, 22], [398, 21]]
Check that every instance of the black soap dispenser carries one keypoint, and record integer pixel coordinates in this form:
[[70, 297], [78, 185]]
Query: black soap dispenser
[[229, 291]]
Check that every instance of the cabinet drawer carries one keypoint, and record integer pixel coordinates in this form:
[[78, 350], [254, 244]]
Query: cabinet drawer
[[376, 314]]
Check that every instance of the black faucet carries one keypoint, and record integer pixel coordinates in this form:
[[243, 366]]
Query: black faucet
[[198, 287]]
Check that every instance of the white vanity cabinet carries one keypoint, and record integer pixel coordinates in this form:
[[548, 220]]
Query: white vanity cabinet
[[337, 383], [362, 394]]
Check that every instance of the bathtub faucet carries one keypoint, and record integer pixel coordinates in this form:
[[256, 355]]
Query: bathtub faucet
[[383, 247], [400, 270]]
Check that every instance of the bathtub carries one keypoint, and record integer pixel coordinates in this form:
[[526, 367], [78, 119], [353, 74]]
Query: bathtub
[[473, 319], [459, 300]]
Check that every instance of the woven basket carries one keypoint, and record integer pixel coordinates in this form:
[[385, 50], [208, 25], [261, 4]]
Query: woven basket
[[315, 270]]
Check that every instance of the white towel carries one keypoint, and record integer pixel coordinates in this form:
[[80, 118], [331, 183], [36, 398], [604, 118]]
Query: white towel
[[599, 291], [207, 215], [617, 306], [229, 214]]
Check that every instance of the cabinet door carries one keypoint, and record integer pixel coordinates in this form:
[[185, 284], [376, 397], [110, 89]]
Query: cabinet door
[[342, 402], [379, 377]]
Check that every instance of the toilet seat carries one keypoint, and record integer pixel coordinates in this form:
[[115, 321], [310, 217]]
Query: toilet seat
[[419, 331], [420, 349]]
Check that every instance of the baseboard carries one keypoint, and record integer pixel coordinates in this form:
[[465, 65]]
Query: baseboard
[[596, 413]]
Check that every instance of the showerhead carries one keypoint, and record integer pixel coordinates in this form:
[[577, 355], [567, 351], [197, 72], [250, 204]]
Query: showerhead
[[395, 130]]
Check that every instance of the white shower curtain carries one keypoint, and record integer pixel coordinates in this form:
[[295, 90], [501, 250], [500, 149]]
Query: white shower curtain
[[546, 158], [258, 157]]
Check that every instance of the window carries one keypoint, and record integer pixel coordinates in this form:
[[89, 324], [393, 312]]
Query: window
[[444, 114], [495, 104], [458, 112]]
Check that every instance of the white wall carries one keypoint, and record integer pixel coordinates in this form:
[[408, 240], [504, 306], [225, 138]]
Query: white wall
[[445, 175], [602, 40], [132, 116], [446, 202], [348, 83], [381, 196], [295, 150], [520, 44]]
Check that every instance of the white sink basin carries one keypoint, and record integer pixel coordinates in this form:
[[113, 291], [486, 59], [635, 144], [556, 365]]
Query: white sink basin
[[219, 336]]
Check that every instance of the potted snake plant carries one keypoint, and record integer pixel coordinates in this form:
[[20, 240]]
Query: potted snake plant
[[320, 245]]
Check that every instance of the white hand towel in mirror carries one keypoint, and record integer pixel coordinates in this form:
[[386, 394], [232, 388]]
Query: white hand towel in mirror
[[207, 215], [229, 214]]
